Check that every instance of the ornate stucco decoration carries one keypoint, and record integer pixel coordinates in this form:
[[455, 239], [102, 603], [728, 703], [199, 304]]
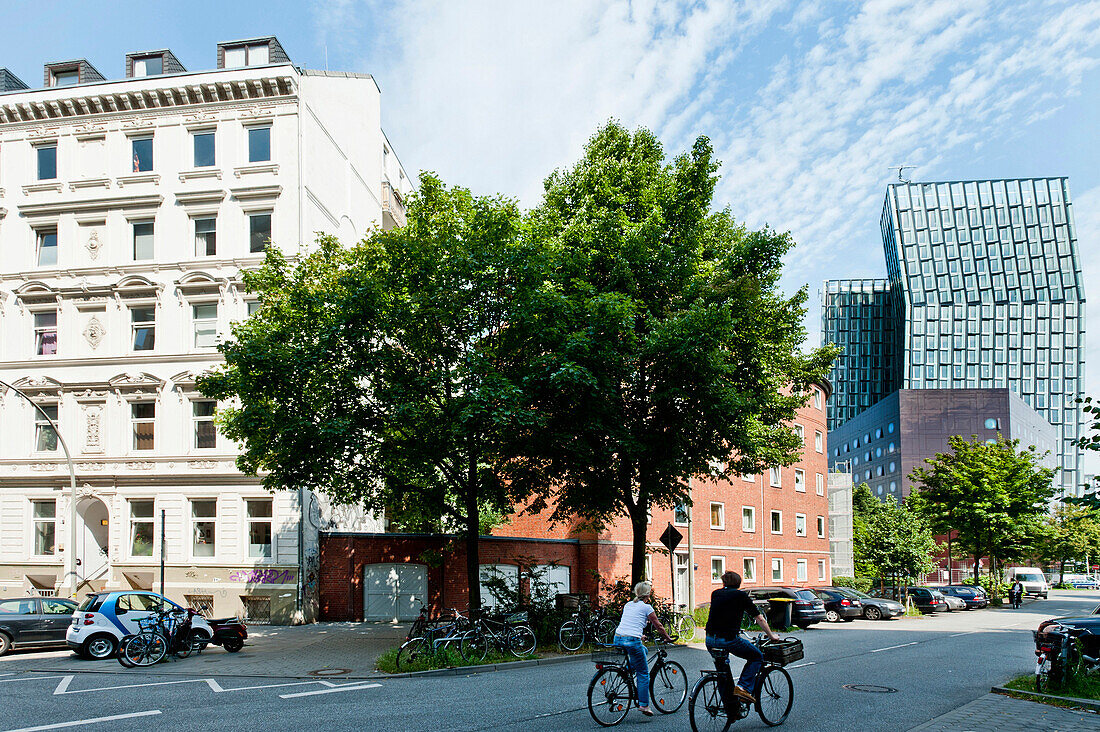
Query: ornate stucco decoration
[[94, 332], [93, 245]]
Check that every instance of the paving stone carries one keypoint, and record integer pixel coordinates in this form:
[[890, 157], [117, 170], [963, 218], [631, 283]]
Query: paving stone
[[1005, 714]]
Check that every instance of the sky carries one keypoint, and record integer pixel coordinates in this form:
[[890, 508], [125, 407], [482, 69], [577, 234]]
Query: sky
[[807, 102]]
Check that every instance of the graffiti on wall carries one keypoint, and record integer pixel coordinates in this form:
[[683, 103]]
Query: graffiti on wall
[[264, 576]]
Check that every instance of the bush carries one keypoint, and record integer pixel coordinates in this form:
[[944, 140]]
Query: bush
[[863, 584], [702, 615]]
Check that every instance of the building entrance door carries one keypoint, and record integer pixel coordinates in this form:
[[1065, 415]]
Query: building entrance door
[[93, 535], [394, 591], [680, 596]]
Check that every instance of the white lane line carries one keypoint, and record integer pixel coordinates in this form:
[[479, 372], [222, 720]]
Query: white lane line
[[956, 635], [94, 720], [334, 690], [800, 665], [12, 673], [29, 678], [63, 687], [890, 648]]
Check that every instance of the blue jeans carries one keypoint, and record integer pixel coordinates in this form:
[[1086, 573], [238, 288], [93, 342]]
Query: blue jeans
[[639, 662], [720, 648]]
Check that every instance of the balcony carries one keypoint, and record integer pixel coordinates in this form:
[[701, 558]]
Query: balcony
[[393, 208]]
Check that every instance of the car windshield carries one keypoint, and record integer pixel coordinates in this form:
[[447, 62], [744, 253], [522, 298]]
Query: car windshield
[[1030, 577]]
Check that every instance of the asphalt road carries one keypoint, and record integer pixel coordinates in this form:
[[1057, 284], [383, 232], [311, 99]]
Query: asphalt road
[[935, 664]]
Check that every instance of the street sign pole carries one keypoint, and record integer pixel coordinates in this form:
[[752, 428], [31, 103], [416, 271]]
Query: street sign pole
[[163, 544], [671, 538]]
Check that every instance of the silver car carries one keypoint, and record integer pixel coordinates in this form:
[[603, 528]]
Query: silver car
[[953, 603]]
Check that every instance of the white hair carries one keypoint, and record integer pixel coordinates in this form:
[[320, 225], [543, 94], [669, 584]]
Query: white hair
[[642, 589]]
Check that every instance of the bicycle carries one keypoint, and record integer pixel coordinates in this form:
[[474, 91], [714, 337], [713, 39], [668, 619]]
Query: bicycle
[[422, 624], [774, 690], [586, 624], [434, 642], [163, 633], [679, 623], [612, 692], [508, 635]]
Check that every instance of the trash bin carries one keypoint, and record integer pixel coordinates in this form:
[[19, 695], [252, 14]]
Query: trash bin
[[779, 612], [571, 601]]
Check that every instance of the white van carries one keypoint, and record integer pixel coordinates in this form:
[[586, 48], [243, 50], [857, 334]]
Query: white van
[[1032, 578]]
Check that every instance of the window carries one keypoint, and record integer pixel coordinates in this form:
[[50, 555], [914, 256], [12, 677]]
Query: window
[[817, 398], [748, 478], [800, 433], [143, 240], [202, 415], [143, 417], [206, 237], [204, 149], [141, 528], [748, 564], [23, 606], [819, 483], [205, 320], [819, 441], [717, 516], [259, 528], [70, 77], [777, 522], [45, 333], [259, 232], [717, 568], [47, 162], [777, 570], [648, 567], [143, 327], [800, 480], [748, 518], [890, 428], [45, 438], [776, 477], [800, 570], [45, 527], [820, 527], [203, 515], [821, 569], [47, 247], [991, 424], [142, 148], [800, 524], [253, 307], [259, 144], [256, 54], [680, 514], [148, 66]]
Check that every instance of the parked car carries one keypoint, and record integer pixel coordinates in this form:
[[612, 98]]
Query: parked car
[[806, 609], [926, 599], [839, 606], [1077, 581], [972, 597], [104, 618], [953, 603], [1032, 578], [874, 608], [1090, 639], [27, 622]]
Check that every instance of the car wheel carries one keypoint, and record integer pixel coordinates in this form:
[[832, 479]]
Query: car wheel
[[832, 616], [848, 620], [803, 626], [99, 647], [873, 613], [5, 644]]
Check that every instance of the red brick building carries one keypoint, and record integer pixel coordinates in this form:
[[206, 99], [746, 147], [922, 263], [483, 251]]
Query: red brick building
[[771, 528]]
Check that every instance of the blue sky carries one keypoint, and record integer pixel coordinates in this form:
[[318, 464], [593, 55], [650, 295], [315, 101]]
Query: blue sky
[[808, 103]]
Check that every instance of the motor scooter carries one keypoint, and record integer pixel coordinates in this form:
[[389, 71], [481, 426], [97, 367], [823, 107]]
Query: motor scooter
[[229, 633]]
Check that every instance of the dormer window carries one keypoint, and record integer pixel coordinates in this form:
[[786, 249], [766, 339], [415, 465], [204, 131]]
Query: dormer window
[[148, 66], [66, 78], [253, 54]]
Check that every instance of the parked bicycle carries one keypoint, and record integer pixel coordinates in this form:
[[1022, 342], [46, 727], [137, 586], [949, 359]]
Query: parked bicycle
[[612, 693], [774, 690], [679, 623], [423, 622], [160, 634], [587, 625], [435, 641], [1059, 655], [507, 634]]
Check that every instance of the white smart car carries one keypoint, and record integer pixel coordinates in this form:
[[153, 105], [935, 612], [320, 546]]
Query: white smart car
[[105, 618]]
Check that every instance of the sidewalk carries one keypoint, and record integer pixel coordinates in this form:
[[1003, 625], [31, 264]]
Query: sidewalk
[[1005, 714], [321, 650]]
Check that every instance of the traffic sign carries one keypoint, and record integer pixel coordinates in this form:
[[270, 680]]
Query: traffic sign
[[671, 538]]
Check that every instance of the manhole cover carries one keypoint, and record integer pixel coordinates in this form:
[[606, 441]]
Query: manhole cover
[[870, 688], [330, 672]]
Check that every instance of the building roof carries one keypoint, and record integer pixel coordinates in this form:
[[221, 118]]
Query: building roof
[[10, 82]]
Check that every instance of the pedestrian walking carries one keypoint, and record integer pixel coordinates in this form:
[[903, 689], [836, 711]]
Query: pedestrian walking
[[1016, 594]]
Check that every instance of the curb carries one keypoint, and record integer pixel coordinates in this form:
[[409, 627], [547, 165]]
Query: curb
[[1088, 703]]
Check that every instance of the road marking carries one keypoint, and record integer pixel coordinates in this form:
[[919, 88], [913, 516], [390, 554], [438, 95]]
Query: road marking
[[956, 635], [890, 648], [335, 690], [94, 720], [12, 673], [28, 678], [800, 665], [63, 686]]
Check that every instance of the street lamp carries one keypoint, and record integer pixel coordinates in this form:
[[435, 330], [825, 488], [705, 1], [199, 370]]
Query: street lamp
[[70, 555]]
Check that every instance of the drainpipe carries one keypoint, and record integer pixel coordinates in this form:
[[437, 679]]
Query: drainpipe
[[691, 552]]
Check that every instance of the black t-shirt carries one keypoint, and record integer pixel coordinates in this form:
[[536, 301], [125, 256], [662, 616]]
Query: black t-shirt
[[727, 606]]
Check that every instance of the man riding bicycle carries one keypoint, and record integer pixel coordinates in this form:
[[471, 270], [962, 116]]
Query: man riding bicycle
[[727, 607]]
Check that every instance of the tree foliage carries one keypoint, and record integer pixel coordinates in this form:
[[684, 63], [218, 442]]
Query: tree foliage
[[992, 495], [864, 505], [892, 542], [1072, 533], [378, 374], [663, 347]]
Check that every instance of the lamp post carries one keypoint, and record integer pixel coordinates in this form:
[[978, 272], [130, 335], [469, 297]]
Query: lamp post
[[70, 552]]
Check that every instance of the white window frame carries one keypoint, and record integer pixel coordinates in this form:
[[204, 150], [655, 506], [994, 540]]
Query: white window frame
[[249, 520], [748, 567], [648, 569], [819, 441], [135, 324], [721, 525], [195, 234], [195, 321], [40, 331], [819, 483], [777, 563], [249, 215], [38, 170], [750, 478], [822, 572], [751, 517], [799, 517], [41, 424], [36, 521], [196, 520], [203, 132], [801, 570], [134, 240], [800, 432], [722, 561], [134, 521], [800, 480], [39, 237], [687, 510], [820, 527], [248, 129], [776, 476], [135, 421], [133, 139], [771, 524], [817, 398], [196, 420]]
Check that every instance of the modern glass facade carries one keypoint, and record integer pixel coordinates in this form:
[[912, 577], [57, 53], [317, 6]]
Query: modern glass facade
[[986, 282]]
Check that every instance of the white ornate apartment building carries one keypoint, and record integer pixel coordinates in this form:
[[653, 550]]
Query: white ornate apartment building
[[128, 209]]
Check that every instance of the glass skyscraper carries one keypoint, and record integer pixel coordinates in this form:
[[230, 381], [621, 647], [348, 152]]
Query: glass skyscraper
[[984, 290]]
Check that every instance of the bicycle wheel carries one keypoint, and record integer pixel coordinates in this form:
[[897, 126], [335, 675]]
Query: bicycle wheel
[[146, 649], [521, 641], [410, 652], [610, 695], [474, 645], [685, 627], [122, 658], [668, 687], [605, 632], [705, 707], [571, 635], [774, 695]]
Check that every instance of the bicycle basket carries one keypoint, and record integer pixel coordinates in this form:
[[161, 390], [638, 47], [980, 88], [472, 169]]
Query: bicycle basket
[[151, 622], [610, 656], [520, 617], [783, 651]]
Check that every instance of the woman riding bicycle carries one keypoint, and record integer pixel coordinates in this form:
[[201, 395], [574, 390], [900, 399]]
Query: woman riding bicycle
[[628, 636]]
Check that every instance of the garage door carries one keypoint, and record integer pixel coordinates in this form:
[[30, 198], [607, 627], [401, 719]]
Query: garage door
[[394, 591]]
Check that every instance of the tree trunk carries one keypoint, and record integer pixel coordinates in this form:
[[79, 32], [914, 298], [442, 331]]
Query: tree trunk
[[977, 569], [639, 526], [1062, 571], [473, 526]]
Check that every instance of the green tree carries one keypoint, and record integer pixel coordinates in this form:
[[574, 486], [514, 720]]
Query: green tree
[[1072, 532], [377, 373], [864, 506], [1089, 440], [899, 543], [992, 495], [662, 346]]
